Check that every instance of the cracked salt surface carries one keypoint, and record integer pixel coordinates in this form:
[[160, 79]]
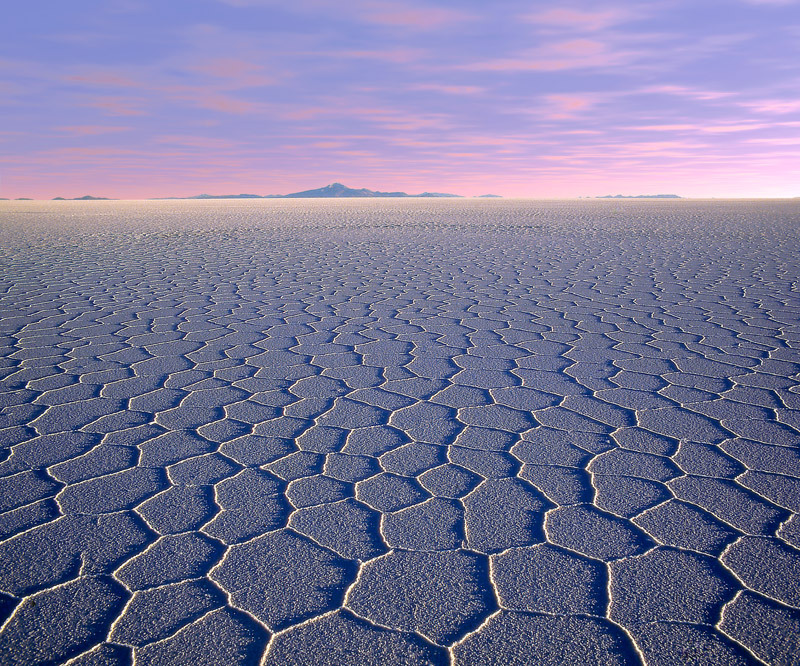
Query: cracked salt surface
[[400, 432]]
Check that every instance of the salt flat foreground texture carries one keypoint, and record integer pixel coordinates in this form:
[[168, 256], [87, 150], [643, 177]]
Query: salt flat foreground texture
[[400, 432]]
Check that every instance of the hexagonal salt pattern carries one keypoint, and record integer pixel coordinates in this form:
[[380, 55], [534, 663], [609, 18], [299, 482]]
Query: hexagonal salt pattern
[[400, 432]]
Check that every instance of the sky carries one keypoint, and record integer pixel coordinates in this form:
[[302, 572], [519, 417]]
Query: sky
[[140, 98]]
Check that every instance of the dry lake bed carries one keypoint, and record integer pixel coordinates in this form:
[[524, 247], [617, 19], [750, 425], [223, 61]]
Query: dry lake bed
[[400, 432]]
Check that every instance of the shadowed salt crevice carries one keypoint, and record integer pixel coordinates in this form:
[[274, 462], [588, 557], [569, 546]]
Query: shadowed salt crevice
[[371, 428]]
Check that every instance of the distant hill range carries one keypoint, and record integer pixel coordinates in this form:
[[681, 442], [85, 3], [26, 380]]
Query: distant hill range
[[332, 191], [86, 197], [640, 196]]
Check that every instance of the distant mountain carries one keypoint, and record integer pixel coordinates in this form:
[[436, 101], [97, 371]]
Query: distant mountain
[[488, 196], [86, 197], [225, 196], [337, 190], [640, 196], [332, 191]]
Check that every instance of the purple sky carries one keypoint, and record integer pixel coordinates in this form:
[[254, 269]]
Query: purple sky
[[146, 98]]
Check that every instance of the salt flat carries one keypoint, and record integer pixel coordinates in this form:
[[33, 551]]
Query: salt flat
[[400, 432]]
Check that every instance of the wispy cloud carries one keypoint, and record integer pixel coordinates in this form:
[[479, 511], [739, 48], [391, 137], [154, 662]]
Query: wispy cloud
[[91, 130]]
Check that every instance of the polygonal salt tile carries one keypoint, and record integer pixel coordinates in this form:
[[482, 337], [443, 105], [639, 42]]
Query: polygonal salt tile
[[784, 491], [627, 495], [569, 421], [322, 439], [200, 642], [183, 417], [766, 432], [449, 481], [412, 458], [223, 430], [25, 488], [706, 460], [545, 579], [113, 492], [157, 401], [729, 502], [26, 517], [594, 533], [349, 414], [683, 525], [520, 639], [63, 418], [257, 575], [633, 463], [214, 397], [497, 417], [669, 643], [682, 424], [297, 465], [99, 461], [638, 439], [283, 426], [329, 641], [35, 633], [485, 439], [201, 470], [503, 513], [440, 595], [524, 399], [426, 422], [668, 585], [769, 630], [251, 411], [104, 655], [172, 447], [67, 394], [256, 450], [252, 503], [350, 468], [600, 411], [389, 492], [561, 485], [766, 565], [546, 446], [152, 615], [317, 489], [436, 524], [457, 396], [346, 527], [169, 560], [373, 441], [488, 464], [179, 509], [782, 459]]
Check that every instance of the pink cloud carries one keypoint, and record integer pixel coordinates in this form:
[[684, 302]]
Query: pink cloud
[[556, 56], [574, 19], [91, 130], [426, 18], [194, 141], [567, 106], [398, 55], [683, 91], [117, 106], [236, 72], [776, 106], [103, 79], [450, 89]]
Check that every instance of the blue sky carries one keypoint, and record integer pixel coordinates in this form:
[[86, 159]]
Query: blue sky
[[132, 98]]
